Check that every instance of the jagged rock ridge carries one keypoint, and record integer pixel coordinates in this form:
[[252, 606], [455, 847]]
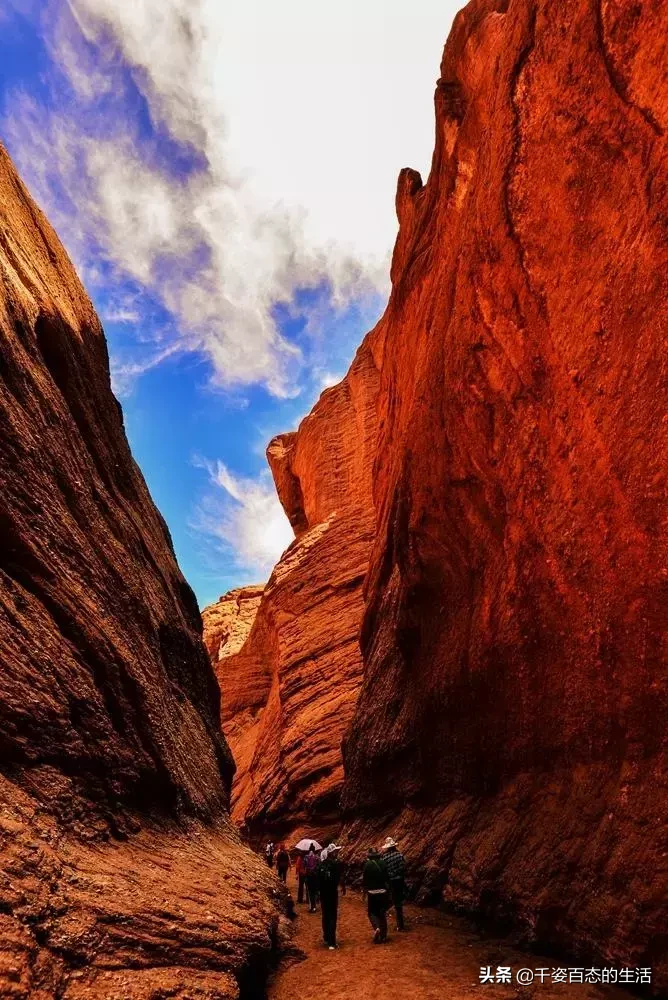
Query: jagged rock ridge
[[109, 709]]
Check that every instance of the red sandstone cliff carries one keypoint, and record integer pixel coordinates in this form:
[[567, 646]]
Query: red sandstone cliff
[[288, 693], [511, 724], [119, 872], [512, 721]]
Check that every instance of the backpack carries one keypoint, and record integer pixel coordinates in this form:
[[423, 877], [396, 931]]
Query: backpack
[[328, 872], [311, 863]]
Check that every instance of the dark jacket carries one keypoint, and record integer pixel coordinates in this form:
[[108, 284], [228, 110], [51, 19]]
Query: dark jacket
[[282, 859], [329, 875], [395, 866], [374, 875]]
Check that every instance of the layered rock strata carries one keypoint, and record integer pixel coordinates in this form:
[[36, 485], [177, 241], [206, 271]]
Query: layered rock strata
[[114, 775], [511, 727], [290, 690], [511, 723]]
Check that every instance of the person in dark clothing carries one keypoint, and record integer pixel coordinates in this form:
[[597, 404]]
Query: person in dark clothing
[[329, 875], [395, 866], [282, 863], [311, 862], [300, 872], [344, 877], [376, 886]]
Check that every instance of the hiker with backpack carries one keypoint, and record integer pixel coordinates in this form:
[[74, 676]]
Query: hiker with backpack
[[300, 872], [311, 862], [329, 875], [376, 886], [395, 866], [282, 863]]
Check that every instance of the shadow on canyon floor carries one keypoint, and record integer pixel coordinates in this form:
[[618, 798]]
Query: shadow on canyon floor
[[439, 957]]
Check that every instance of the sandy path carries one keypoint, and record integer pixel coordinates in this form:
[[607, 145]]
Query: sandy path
[[437, 958]]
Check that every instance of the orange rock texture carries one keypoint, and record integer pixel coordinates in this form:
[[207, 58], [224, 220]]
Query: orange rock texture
[[498, 452], [288, 694], [120, 874], [228, 621], [511, 725]]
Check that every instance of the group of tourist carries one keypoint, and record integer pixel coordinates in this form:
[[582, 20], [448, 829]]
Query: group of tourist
[[320, 874]]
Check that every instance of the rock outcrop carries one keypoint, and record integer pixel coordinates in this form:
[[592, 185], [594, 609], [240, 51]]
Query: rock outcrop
[[119, 871], [512, 720], [511, 723], [228, 621], [288, 694]]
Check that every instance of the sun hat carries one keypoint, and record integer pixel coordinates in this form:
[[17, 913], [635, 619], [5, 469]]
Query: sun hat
[[329, 850], [389, 843]]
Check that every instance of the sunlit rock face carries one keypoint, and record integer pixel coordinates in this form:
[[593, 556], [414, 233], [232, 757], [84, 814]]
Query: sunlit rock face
[[114, 775], [510, 729], [228, 621], [288, 694], [499, 471]]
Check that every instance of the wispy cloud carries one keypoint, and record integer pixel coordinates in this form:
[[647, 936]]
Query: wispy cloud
[[244, 519], [222, 155], [123, 375]]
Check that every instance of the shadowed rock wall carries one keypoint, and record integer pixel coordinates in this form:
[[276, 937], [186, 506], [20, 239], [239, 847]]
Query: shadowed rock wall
[[109, 709]]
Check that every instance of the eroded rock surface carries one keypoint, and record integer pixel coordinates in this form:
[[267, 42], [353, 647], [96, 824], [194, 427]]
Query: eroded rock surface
[[512, 721], [228, 621], [289, 692], [119, 871], [511, 724]]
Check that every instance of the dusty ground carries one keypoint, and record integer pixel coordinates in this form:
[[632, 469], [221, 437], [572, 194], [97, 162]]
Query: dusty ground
[[437, 958]]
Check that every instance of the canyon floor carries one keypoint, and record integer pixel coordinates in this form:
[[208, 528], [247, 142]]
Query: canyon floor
[[438, 957]]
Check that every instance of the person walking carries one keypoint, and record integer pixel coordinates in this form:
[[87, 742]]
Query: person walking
[[329, 875], [344, 877], [269, 854], [376, 886], [311, 862], [300, 872], [282, 863], [395, 866]]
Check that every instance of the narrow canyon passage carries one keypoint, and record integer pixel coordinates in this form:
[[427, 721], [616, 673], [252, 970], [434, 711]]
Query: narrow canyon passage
[[438, 957]]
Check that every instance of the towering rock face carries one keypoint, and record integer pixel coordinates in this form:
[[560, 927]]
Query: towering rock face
[[511, 723], [109, 710], [510, 729], [289, 691]]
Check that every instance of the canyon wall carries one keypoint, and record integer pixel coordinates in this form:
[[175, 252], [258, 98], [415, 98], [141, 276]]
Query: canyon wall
[[289, 691], [120, 874], [503, 476], [511, 725]]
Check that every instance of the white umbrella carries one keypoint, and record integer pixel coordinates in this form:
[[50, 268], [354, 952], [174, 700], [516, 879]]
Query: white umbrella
[[305, 845]]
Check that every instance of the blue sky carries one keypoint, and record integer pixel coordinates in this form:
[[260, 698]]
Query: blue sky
[[223, 178]]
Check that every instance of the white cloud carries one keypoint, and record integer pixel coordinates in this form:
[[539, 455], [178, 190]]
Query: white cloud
[[300, 115], [121, 314], [245, 518], [327, 379], [123, 375]]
